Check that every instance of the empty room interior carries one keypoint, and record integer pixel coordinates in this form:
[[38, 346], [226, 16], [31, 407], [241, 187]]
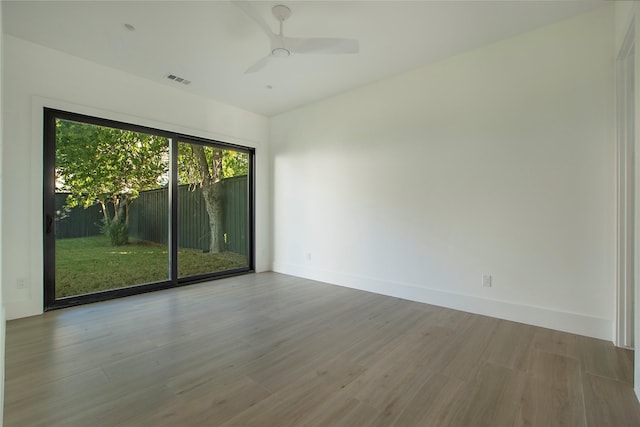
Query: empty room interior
[[319, 213]]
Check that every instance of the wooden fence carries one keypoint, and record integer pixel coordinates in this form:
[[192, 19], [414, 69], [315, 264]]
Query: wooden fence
[[149, 217], [76, 222]]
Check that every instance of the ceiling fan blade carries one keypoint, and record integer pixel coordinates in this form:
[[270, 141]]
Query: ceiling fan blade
[[321, 45], [250, 11], [259, 65]]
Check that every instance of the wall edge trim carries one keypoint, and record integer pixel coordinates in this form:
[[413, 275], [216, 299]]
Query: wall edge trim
[[575, 323]]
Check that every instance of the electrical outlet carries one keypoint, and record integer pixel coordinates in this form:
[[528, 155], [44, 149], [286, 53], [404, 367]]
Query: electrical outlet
[[308, 256], [486, 280], [21, 283]]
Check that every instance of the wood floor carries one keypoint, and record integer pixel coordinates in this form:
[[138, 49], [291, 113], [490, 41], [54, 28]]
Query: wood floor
[[273, 350]]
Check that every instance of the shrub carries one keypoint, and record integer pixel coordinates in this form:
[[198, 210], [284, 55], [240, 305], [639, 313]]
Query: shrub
[[117, 231]]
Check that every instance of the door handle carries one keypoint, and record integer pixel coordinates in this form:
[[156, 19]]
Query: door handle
[[49, 224]]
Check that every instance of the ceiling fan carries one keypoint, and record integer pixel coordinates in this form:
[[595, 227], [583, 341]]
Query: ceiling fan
[[283, 46]]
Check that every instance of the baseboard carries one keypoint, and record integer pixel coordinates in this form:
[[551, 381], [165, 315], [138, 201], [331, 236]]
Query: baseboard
[[575, 323], [17, 309], [3, 333]]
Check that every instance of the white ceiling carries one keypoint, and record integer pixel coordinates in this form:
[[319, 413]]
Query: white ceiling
[[212, 43]]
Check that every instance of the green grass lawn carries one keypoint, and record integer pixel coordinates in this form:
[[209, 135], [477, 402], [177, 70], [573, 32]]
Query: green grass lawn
[[91, 264]]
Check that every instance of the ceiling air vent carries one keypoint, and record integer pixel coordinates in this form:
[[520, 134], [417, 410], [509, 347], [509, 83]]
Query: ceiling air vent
[[179, 79]]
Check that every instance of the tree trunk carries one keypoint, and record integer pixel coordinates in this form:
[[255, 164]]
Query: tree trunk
[[116, 208], [125, 201], [210, 177], [105, 213], [211, 194]]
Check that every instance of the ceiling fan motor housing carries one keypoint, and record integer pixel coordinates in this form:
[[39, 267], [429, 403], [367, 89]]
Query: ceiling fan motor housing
[[280, 52]]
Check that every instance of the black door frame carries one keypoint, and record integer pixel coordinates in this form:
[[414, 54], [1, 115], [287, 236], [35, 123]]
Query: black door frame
[[49, 142]]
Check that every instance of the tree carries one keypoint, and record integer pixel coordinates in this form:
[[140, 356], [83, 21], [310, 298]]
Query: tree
[[109, 166], [206, 167], [97, 164]]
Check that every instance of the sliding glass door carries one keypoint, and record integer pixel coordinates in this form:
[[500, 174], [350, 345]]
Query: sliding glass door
[[213, 220], [129, 209]]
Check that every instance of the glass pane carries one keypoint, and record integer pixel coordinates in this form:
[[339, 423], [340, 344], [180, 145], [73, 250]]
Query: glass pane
[[213, 209], [111, 208]]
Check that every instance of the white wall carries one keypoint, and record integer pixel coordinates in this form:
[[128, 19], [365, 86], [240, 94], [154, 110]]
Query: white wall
[[498, 161], [2, 309], [626, 16], [34, 77]]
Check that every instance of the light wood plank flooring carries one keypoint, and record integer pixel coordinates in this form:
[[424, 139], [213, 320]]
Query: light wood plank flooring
[[274, 350]]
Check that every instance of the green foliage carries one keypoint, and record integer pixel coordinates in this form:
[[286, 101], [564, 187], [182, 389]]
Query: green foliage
[[234, 163], [117, 231], [101, 164], [109, 166]]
